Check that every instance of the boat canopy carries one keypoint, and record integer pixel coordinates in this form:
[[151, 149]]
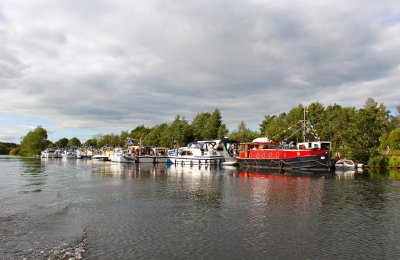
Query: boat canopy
[[262, 140]]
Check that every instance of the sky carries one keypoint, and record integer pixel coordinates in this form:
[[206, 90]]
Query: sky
[[80, 68]]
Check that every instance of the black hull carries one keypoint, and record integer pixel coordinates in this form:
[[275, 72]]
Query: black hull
[[320, 162]]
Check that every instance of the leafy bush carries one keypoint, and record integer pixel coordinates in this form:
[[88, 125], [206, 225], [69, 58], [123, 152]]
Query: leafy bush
[[378, 161], [394, 161], [15, 151]]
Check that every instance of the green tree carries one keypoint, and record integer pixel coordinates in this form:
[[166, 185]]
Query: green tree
[[124, 137], [366, 128], [198, 126], [222, 131], [63, 142], [180, 131], [34, 142], [243, 134], [213, 125], [155, 136], [15, 151], [139, 133], [108, 140], [5, 148], [92, 142], [391, 139], [74, 142]]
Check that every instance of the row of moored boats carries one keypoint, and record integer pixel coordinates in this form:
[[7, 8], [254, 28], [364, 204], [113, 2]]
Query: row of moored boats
[[260, 153], [215, 152]]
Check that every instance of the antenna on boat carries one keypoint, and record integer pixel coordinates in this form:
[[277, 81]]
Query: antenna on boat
[[304, 124]]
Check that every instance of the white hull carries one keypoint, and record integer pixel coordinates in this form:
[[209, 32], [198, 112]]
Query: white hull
[[100, 157], [49, 155], [196, 160], [69, 156], [229, 162], [119, 159]]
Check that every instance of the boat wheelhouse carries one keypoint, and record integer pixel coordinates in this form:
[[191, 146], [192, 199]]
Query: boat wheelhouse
[[149, 154], [195, 153], [49, 153], [262, 152], [118, 156], [224, 147]]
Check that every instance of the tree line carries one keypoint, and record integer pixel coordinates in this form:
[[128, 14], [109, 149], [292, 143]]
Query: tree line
[[357, 134]]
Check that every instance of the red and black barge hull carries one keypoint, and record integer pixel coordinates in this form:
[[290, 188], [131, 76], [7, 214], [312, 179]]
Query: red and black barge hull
[[313, 162]]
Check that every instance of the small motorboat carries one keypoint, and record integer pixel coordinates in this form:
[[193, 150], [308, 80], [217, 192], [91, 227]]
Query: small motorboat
[[345, 164]]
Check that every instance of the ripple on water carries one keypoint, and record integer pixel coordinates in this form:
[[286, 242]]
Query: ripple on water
[[136, 211]]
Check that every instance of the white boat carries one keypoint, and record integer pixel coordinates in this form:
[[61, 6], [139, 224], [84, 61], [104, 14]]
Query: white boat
[[195, 153], [69, 154], [83, 154], [117, 155], [225, 147], [101, 157], [345, 164], [49, 153]]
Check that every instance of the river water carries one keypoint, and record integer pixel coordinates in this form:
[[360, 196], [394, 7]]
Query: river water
[[102, 210]]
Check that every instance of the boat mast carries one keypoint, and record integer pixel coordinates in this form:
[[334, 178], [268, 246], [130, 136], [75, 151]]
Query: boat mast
[[304, 125]]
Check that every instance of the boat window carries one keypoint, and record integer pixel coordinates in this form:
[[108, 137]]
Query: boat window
[[263, 155], [277, 154], [325, 146], [284, 154], [270, 154], [244, 148], [257, 155]]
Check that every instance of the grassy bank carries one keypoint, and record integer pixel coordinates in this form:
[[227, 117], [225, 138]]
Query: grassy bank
[[384, 160]]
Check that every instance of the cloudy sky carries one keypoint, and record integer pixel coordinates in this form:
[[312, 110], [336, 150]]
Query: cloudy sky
[[79, 68]]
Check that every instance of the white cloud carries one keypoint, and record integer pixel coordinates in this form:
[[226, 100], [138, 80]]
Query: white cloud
[[117, 64]]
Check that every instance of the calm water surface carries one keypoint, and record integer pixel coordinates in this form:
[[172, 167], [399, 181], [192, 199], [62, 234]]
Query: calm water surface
[[128, 211]]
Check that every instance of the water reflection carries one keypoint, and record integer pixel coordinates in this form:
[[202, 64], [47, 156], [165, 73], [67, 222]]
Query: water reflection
[[33, 174], [272, 188], [151, 211], [381, 174], [347, 174]]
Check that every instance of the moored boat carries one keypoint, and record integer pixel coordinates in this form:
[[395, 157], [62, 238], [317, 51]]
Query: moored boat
[[225, 147], [103, 154], [69, 153], [118, 155], [262, 152], [345, 164], [49, 153], [149, 154], [195, 153]]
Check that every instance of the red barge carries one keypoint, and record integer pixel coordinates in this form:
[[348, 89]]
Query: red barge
[[307, 156]]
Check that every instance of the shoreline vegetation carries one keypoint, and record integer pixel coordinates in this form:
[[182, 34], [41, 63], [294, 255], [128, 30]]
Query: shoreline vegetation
[[369, 135]]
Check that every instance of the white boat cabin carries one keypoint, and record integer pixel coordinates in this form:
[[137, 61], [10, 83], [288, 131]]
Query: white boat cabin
[[323, 145]]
